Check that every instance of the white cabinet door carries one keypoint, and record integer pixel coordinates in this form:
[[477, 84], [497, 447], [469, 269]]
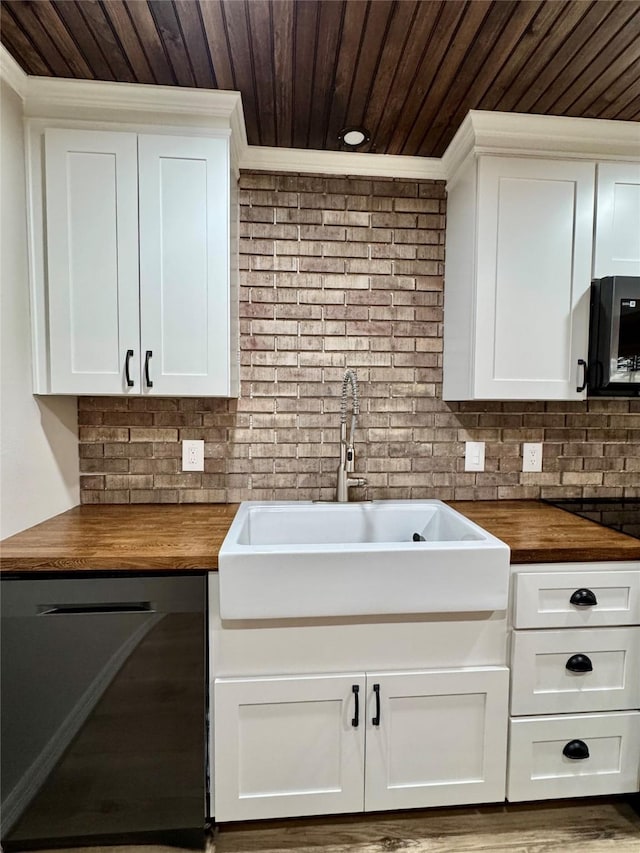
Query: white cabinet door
[[92, 261], [287, 746], [534, 240], [436, 737], [617, 232], [184, 265]]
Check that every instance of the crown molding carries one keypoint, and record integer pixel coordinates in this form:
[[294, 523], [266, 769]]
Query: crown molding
[[485, 132], [47, 95], [262, 158], [12, 74], [481, 132]]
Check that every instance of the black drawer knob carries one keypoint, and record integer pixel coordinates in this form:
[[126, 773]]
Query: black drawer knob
[[579, 663], [576, 750], [583, 598]]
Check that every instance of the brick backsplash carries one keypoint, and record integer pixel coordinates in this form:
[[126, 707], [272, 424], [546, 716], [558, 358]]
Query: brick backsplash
[[336, 273]]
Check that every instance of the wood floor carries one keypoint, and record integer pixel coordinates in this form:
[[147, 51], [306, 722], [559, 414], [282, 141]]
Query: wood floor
[[577, 826]]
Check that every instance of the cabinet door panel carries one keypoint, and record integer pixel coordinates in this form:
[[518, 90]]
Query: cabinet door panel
[[539, 768], [534, 250], [441, 739], [543, 598], [617, 237], [547, 679], [184, 251], [287, 746], [92, 258]]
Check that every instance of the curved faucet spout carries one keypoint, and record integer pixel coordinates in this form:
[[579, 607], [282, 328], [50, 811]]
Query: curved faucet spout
[[347, 452]]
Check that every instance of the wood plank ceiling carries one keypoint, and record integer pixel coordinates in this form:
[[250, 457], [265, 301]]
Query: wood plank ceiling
[[407, 70]]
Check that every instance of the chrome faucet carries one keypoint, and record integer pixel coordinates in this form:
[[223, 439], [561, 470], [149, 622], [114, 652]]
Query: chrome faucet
[[347, 453]]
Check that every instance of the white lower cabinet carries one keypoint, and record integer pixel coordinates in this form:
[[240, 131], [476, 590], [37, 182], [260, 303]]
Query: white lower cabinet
[[575, 654], [573, 755], [317, 744]]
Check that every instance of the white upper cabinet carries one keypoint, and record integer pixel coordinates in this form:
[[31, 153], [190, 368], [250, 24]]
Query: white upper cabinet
[[617, 233], [136, 271], [517, 279]]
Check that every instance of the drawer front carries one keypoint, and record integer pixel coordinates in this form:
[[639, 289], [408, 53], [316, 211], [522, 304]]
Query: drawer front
[[605, 750], [586, 669], [575, 599]]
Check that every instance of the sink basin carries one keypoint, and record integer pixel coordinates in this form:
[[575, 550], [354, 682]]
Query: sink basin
[[296, 559]]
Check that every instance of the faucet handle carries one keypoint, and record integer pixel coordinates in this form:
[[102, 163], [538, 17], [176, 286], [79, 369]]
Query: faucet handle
[[356, 481]]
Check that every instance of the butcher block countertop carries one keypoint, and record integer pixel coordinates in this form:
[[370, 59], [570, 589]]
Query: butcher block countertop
[[152, 537]]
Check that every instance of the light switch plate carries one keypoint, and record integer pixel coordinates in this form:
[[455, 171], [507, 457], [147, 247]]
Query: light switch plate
[[193, 455], [474, 456]]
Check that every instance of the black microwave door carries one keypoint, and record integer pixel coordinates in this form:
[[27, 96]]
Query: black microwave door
[[614, 337]]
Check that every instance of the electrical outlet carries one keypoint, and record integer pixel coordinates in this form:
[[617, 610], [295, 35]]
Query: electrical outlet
[[193, 455], [474, 456], [531, 456]]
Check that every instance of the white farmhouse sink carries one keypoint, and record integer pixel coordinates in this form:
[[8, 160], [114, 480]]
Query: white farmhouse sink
[[304, 559]]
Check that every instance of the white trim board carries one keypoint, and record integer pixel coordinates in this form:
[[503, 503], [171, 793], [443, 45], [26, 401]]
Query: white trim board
[[481, 132]]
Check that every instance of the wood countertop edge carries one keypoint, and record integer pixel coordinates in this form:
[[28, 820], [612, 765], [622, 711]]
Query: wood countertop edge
[[187, 537]]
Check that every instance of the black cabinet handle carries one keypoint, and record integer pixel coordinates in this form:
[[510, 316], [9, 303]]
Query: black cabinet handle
[[126, 368], [356, 695], [583, 364], [101, 607], [376, 720], [579, 663], [583, 598], [576, 749], [147, 356]]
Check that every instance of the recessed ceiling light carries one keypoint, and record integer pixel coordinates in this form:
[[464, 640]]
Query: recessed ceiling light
[[354, 137]]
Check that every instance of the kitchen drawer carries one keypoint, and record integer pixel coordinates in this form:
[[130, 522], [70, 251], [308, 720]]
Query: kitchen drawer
[[550, 670], [543, 598], [539, 769]]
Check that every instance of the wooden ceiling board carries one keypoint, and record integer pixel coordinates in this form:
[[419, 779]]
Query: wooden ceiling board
[[515, 65], [328, 37], [571, 47], [401, 32], [149, 38], [611, 85], [194, 43], [283, 49], [72, 18], [451, 55], [215, 33], [544, 54], [351, 37], [306, 23], [237, 28], [616, 32], [27, 17], [168, 26], [407, 70], [20, 45], [122, 25], [380, 14], [500, 31], [438, 23], [259, 18]]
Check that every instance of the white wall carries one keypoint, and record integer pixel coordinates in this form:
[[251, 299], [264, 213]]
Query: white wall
[[38, 437]]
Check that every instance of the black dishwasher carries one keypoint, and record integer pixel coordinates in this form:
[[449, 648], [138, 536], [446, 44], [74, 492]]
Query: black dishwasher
[[103, 716]]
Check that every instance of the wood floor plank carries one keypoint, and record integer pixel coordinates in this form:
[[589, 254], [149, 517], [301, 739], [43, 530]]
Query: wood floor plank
[[575, 826], [580, 827]]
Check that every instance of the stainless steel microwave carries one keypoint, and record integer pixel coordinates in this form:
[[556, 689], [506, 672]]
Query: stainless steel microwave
[[614, 337]]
